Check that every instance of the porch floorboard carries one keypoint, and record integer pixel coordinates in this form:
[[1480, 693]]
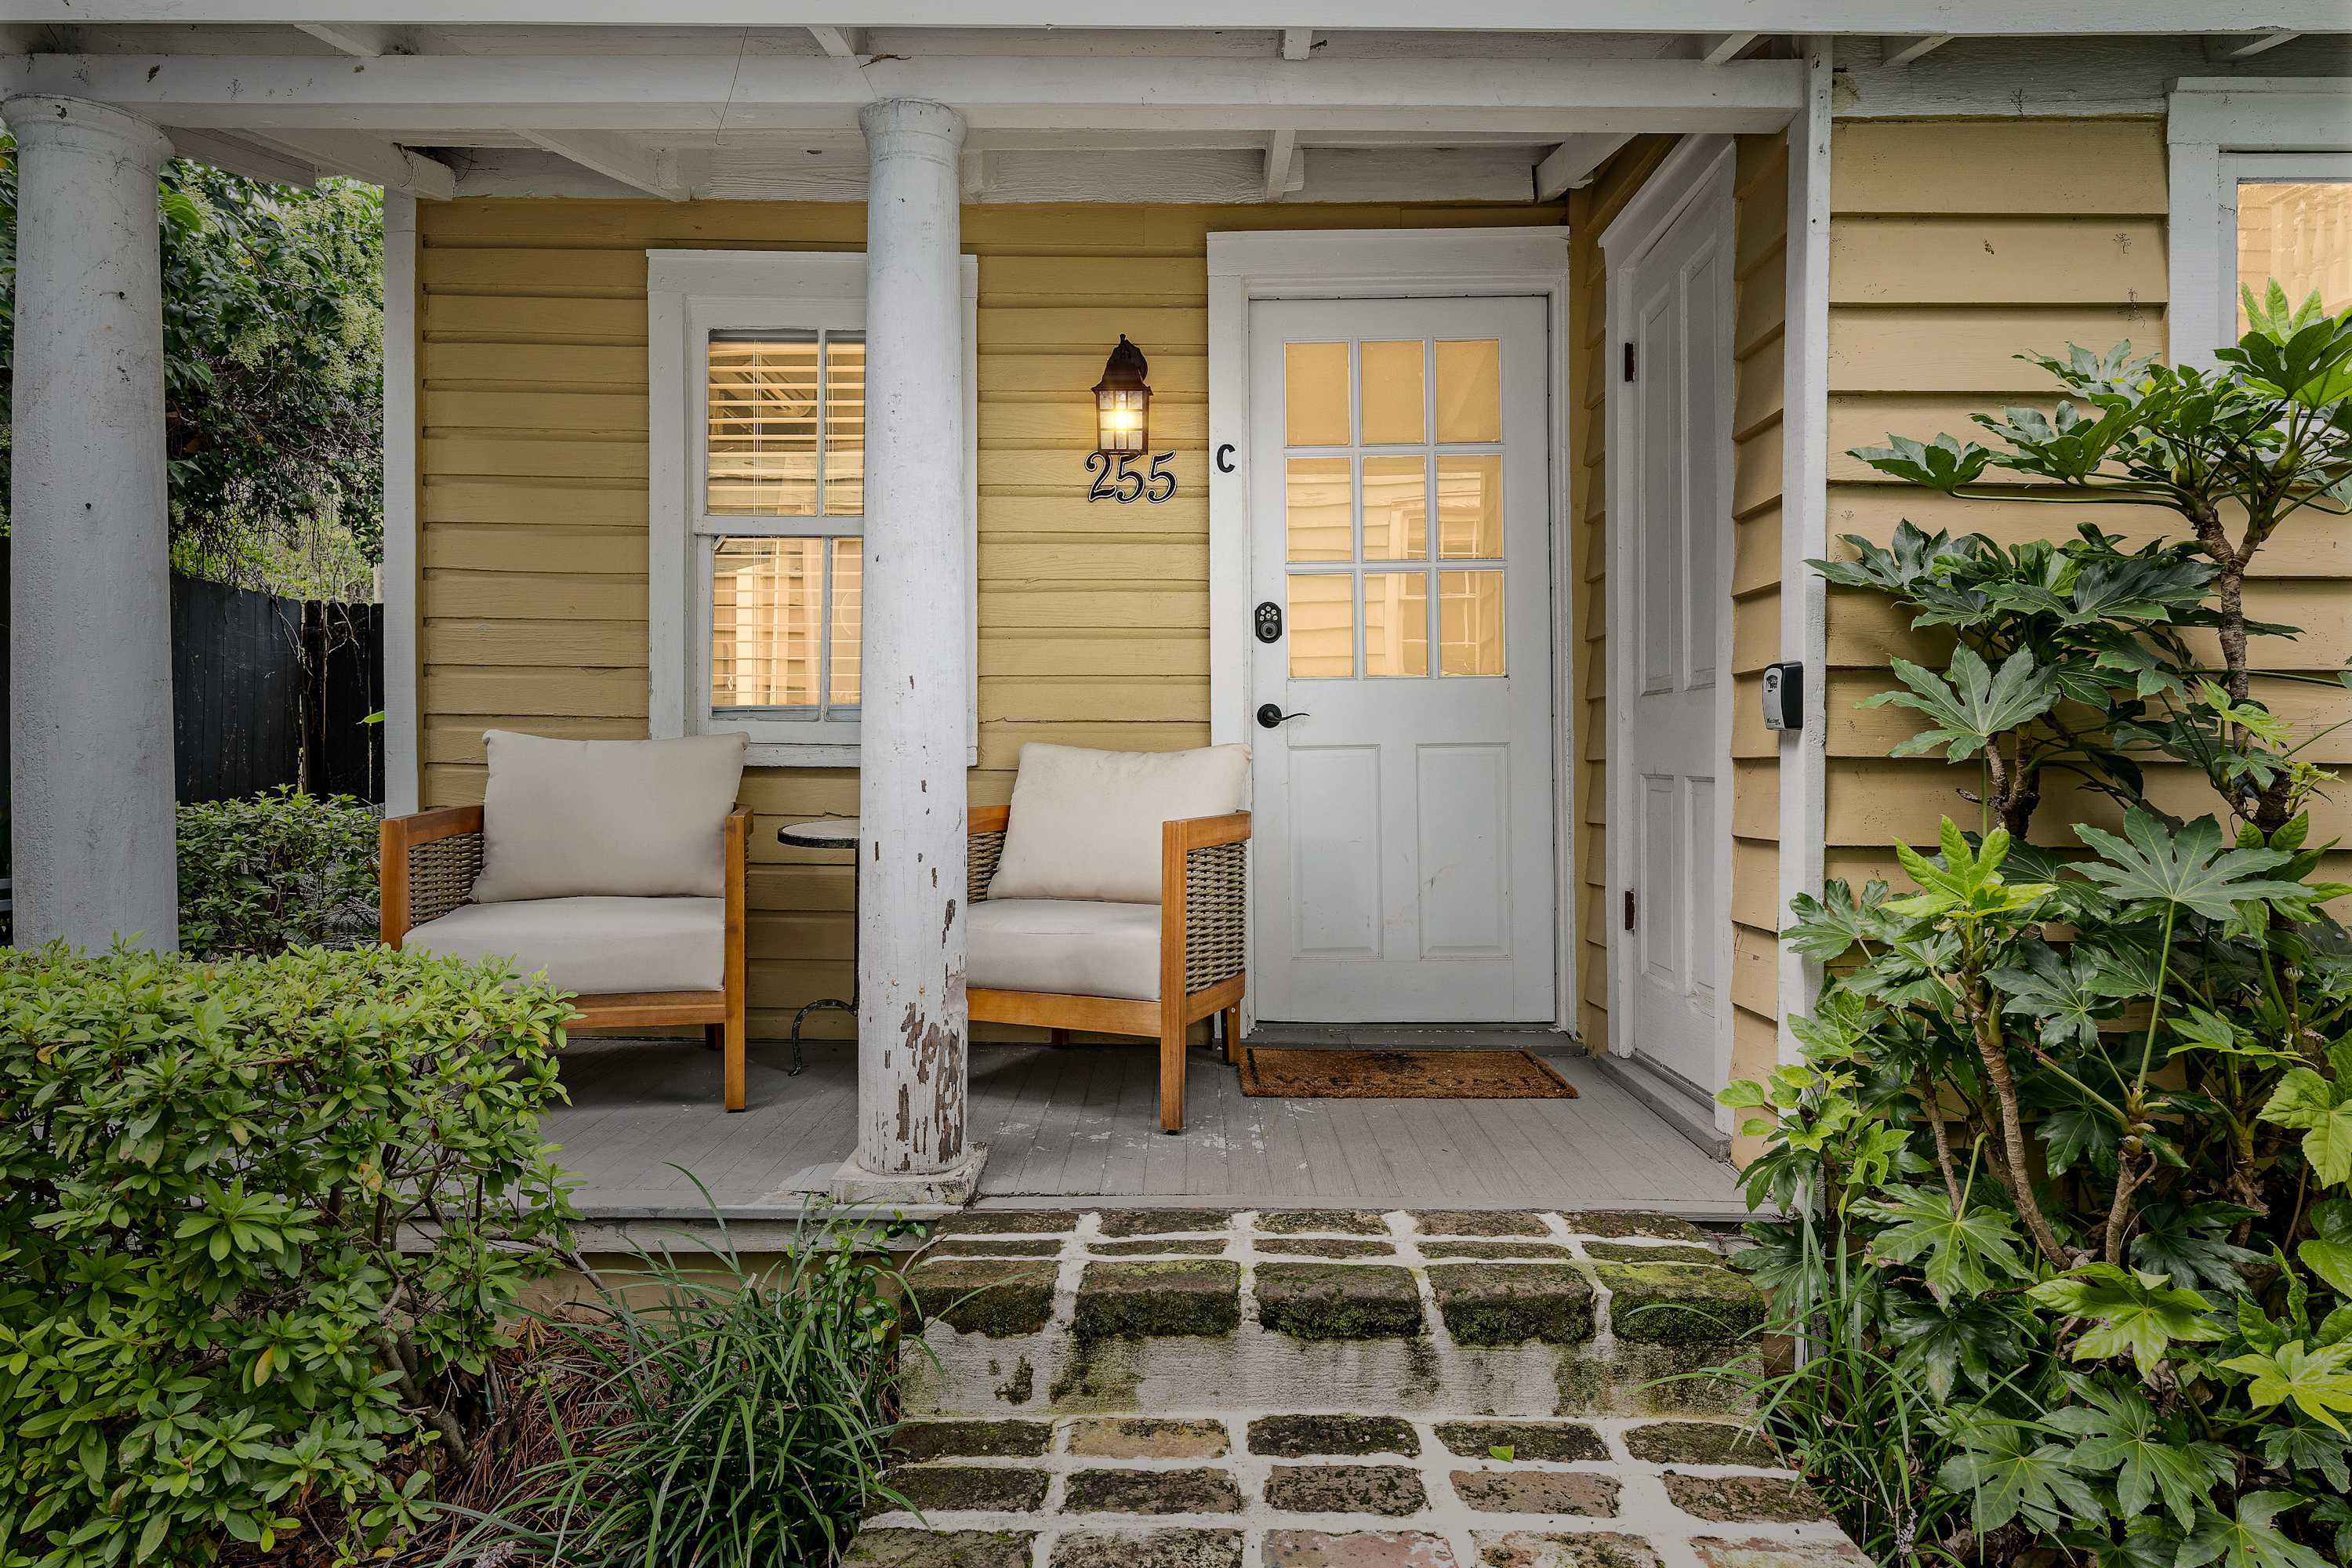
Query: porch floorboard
[[1077, 1122]]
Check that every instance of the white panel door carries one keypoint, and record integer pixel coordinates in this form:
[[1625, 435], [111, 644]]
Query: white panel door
[[1400, 514], [1678, 611]]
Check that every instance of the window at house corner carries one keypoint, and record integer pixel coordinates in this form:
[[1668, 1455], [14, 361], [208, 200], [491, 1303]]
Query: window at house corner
[[783, 503], [2299, 232]]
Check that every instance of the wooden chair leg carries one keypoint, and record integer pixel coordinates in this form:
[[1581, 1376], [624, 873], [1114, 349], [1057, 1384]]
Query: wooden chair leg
[[1171, 1069], [1060, 1037], [731, 1036], [1232, 1017], [713, 1036]]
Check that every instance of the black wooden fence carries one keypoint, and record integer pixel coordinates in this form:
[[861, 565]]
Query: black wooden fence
[[265, 691]]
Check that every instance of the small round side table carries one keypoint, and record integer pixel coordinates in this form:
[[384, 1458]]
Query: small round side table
[[828, 833]]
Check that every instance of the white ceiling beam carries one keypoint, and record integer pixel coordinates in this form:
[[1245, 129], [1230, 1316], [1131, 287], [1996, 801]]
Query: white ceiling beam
[[1979, 18], [1297, 43], [615, 159], [242, 155], [358, 39], [409, 98], [1902, 51], [1722, 49], [362, 157], [2224, 47], [1573, 163], [1281, 158], [841, 43]]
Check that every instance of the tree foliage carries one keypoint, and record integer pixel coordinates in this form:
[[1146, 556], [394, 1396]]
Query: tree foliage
[[2071, 1144], [273, 356]]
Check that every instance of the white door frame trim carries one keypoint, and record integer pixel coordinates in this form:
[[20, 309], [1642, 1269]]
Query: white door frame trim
[[1696, 175], [1338, 264]]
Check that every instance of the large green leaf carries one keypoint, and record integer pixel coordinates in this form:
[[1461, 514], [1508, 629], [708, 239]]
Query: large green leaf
[[1968, 884], [2321, 1109], [1973, 705], [1960, 1251], [2318, 1381], [2007, 1469], [2248, 1539], [2151, 867], [1944, 464], [2056, 991], [2130, 1312], [2122, 1435]]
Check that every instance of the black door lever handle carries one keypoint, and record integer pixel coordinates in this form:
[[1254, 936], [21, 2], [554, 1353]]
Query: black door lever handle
[[1270, 714]]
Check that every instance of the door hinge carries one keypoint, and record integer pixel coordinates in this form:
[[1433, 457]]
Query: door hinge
[[1629, 361], [1629, 908]]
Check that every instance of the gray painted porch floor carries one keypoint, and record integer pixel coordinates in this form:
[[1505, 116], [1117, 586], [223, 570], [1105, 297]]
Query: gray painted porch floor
[[1078, 1121]]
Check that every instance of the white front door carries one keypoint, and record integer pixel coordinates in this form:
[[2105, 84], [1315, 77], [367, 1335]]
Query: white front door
[[1673, 632], [1400, 520]]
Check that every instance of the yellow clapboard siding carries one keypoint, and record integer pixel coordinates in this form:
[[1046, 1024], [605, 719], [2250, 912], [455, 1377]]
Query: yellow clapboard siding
[[1756, 552], [553, 365], [1109, 609], [619, 645], [1001, 741], [1021, 564], [1070, 422], [1761, 392], [2098, 168], [534, 498], [621, 412], [1917, 348], [1027, 515], [1081, 700], [521, 320], [589, 693], [521, 547], [1006, 655], [1096, 280], [610, 274], [1865, 628], [1064, 473], [533, 596], [451, 739], [2024, 261], [1003, 370], [1158, 331], [619, 456]]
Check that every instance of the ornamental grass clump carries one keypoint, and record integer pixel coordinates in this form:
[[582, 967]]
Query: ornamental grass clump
[[2069, 1154], [698, 1411], [259, 1219]]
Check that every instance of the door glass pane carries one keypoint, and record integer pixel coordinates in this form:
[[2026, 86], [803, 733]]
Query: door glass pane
[[762, 418], [1322, 632], [765, 622], [1470, 623], [1317, 513], [848, 561], [1470, 390], [1470, 506], [845, 425], [2299, 232], [1396, 508], [1393, 394], [1314, 395], [1396, 623]]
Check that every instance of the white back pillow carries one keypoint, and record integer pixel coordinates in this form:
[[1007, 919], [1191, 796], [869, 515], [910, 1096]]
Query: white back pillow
[[1086, 825], [624, 818]]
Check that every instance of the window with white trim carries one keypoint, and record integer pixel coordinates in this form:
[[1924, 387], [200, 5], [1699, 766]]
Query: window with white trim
[[2292, 217], [758, 496]]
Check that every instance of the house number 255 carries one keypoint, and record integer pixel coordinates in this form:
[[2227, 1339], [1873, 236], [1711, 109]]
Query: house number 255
[[1117, 479]]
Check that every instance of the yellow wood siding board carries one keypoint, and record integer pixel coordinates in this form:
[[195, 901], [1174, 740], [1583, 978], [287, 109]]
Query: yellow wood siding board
[[622, 414], [521, 547], [542, 366], [531, 320], [1865, 627], [620, 456], [619, 645], [1965, 261], [591, 693], [2092, 167], [530, 596], [1919, 349]]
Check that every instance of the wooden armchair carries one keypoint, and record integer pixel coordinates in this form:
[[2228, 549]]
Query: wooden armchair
[[1201, 919], [431, 860]]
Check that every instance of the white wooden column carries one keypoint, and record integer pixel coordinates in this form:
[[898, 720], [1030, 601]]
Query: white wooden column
[[91, 600], [915, 675]]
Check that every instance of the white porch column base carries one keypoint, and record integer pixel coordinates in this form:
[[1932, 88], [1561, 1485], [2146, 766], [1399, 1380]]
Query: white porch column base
[[912, 1022], [90, 595], [952, 1187]]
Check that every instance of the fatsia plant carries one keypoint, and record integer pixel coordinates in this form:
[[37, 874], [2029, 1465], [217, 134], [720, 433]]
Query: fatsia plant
[[2071, 1141]]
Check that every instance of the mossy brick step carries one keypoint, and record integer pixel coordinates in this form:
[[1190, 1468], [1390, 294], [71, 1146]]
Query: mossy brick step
[[1782, 1499], [1525, 1249], [1698, 1443], [1007, 1222], [994, 1246], [1168, 1548], [1550, 1549], [1337, 1301], [1324, 1246], [1765, 1552], [1151, 1491], [1159, 1298], [1558, 1441], [962, 1489], [1618, 1224], [996, 1297], [1310, 1436], [1506, 1303], [1574, 1493], [1162, 1246], [1163, 1222], [1146, 1437], [1388, 1490], [940, 1548], [1357, 1549], [1680, 1304], [1649, 1252], [1311, 1222], [1478, 1222], [917, 1440]]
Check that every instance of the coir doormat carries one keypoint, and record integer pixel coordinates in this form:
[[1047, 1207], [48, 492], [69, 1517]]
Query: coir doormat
[[1289, 1073]]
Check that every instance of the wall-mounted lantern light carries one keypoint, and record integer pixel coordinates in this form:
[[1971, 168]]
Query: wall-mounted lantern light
[[1122, 401]]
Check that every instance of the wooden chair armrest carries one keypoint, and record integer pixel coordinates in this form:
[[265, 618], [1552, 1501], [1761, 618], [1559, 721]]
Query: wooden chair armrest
[[988, 819], [398, 839], [1207, 832], [1203, 900]]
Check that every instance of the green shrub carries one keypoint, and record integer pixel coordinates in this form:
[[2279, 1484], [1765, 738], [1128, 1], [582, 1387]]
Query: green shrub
[[2071, 1145], [276, 870], [700, 1413], [209, 1331]]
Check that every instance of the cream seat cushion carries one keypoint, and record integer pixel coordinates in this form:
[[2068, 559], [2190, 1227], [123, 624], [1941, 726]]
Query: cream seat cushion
[[1066, 946], [591, 945], [1086, 824], [633, 818]]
